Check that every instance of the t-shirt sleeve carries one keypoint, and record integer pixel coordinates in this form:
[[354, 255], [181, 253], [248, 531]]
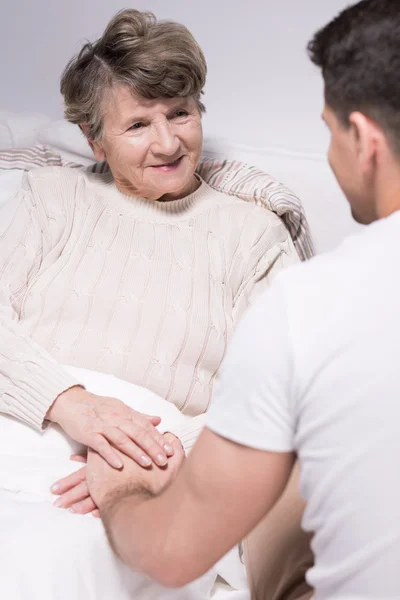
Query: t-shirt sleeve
[[252, 403]]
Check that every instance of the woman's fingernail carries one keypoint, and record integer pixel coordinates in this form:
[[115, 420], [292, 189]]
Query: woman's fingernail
[[161, 459], [58, 503], [145, 460], [168, 449], [118, 464], [55, 488]]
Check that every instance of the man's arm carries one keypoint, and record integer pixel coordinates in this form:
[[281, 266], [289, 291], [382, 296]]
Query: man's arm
[[226, 487], [219, 495]]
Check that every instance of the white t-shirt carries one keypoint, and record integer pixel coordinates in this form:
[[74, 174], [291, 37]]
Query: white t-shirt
[[314, 368]]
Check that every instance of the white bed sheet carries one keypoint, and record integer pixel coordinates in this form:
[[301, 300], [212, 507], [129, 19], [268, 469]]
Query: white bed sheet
[[48, 553]]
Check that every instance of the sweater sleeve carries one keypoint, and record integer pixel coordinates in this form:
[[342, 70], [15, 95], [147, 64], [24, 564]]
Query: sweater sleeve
[[30, 380], [188, 432], [271, 252]]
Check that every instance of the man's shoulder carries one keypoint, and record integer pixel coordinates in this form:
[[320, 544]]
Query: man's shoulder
[[354, 257], [336, 282]]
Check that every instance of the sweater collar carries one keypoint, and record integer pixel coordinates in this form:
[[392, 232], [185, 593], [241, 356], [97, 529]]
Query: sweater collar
[[199, 201]]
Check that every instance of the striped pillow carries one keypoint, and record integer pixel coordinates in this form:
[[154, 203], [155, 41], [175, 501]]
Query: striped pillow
[[228, 176]]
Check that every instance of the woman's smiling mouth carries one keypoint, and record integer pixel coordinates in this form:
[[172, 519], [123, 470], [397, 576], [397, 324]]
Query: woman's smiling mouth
[[169, 166]]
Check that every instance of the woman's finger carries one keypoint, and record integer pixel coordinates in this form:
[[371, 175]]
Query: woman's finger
[[173, 440], [152, 418], [84, 507], [149, 433], [168, 449], [100, 444], [69, 482], [96, 513], [79, 458], [78, 493], [158, 437], [126, 445], [151, 441]]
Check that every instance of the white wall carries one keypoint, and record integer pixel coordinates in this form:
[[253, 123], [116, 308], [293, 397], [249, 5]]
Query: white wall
[[262, 90]]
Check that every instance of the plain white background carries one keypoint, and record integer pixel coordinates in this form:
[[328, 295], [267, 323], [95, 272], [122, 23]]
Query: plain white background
[[262, 90]]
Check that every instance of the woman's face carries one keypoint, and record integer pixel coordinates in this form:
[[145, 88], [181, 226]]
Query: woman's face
[[152, 146]]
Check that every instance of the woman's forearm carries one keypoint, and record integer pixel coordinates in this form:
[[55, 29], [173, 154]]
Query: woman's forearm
[[30, 380]]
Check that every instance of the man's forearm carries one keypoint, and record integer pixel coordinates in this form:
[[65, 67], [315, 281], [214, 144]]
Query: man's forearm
[[215, 500], [144, 531], [118, 513]]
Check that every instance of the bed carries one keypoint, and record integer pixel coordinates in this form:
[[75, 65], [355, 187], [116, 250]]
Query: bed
[[36, 538]]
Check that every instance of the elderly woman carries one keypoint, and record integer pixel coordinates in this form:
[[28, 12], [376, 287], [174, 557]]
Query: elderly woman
[[142, 272]]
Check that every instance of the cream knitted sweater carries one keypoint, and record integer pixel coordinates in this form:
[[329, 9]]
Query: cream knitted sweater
[[147, 291]]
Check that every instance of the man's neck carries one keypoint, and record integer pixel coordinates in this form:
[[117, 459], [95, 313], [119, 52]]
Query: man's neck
[[388, 193]]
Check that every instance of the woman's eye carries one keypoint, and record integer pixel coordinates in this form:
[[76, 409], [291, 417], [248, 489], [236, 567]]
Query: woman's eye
[[136, 126], [181, 113]]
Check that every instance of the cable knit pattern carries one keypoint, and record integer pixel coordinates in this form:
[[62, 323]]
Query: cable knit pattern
[[147, 291], [230, 177]]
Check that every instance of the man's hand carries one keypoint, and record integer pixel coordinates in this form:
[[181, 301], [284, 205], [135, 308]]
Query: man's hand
[[73, 490], [107, 486], [219, 495], [101, 423]]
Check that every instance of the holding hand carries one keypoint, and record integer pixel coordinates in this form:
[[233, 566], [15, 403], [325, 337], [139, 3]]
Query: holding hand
[[107, 486], [102, 423], [74, 492]]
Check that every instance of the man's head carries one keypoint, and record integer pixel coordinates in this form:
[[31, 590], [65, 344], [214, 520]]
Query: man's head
[[359, 54]]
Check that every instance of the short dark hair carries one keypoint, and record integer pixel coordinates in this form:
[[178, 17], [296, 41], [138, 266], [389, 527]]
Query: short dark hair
[[359, 54]]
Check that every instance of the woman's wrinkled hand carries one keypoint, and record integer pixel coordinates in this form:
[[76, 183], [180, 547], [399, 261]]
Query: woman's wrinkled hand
[[103, 424]]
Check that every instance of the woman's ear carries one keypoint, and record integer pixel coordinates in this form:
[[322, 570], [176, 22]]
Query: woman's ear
[[96, 147]]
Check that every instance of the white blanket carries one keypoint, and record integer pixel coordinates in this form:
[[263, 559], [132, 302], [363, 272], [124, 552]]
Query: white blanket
[[48, 553]]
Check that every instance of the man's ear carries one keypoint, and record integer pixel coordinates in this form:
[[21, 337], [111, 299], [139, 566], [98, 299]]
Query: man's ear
[[96, 147], [368, 138]]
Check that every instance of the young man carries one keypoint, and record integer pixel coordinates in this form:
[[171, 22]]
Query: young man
[[312, 371]]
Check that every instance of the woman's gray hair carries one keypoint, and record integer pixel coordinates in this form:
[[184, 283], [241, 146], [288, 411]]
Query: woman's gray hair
[[155, 59]]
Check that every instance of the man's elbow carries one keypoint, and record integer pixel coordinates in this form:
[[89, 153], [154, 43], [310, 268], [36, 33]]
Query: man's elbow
[[171, 577], [173, 572]]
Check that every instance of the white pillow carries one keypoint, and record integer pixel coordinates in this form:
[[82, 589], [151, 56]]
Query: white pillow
[[68, 140], [10, 182], [18, 130]]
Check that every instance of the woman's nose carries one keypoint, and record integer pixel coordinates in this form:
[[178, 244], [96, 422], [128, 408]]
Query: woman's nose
[[165, 141]]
